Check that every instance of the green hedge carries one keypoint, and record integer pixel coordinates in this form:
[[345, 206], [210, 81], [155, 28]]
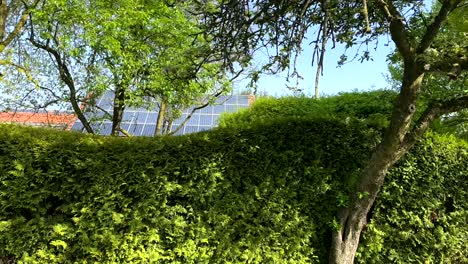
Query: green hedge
[[374, 107], [421, 215], [266, 194]]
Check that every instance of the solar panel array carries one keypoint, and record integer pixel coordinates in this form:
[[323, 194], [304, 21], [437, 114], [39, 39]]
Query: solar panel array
[[142, 121]]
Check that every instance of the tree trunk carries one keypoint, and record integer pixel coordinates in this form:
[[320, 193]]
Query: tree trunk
[[119, 106], [160, 121], [345, 241], [67, 78], [168, 127], [78, 111], [352, 219]]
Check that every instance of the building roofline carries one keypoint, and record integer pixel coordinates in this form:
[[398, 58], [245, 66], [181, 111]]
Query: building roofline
[[34, 118]]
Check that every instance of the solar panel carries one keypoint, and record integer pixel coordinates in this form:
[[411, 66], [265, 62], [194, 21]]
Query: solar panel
[[136, 129], [217, 109], [141, 117], [78, 126], [128, 116], [206, 110], [152, 118], [194, 120], [231, 108], [141, 121], [190, 129], [206, 120], [148, 130], [125, 126], [104, 129]]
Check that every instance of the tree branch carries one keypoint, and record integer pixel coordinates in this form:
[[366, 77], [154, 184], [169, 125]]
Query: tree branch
[[18, 27], [432, 112], [21, 69], [453, 67], [216, 95], [397, 29], [65, 76], [125, 132], [324, 27], [434, 28]]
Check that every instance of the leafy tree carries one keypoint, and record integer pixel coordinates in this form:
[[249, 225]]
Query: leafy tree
[[146, 52], [64, 56], [146, 48], [421, 42], [451, 85], [13, 17]]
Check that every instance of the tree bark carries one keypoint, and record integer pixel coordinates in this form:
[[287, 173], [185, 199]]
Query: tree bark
[[160, 121], [399, 137], [3, 18], [20, 22], [352, 219], [168, 129], [119, 106], [398, 140]]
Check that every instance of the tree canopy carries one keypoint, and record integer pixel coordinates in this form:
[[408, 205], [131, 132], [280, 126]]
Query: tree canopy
[[148, 53], [425, 45]]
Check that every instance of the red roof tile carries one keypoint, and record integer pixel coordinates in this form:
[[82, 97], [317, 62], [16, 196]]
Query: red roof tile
[[38, 119]]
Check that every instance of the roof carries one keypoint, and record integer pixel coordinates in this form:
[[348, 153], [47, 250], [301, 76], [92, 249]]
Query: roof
[[141, 121], [42, 119]]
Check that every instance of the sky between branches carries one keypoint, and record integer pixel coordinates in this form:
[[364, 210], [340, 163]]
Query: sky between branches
[[353, 75]]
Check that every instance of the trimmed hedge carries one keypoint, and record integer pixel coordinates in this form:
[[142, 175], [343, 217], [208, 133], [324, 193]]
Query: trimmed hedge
[[266, 194], [372, 107]]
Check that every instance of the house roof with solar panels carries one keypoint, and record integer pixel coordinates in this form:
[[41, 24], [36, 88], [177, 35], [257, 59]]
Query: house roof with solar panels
[[142, 121]]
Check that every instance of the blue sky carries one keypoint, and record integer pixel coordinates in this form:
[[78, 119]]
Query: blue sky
[[351, 76]]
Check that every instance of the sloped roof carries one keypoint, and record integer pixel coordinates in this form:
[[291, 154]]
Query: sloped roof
[[43, 119], [142, 121]]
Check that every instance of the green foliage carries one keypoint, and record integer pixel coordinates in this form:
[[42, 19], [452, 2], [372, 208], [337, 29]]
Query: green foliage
[[266, 194], [421, 213], [437, 85], [137, 48], [237, 196], [374, 107]]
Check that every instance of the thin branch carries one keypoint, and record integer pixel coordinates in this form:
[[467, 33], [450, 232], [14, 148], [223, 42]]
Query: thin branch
[[21, 69], [366, 16], [453, 66], [434, 28], [16, 31], [432, 112], [106, 113], [52, 92], [65, 76], [324, 45], [193, 111], [125, 132]]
